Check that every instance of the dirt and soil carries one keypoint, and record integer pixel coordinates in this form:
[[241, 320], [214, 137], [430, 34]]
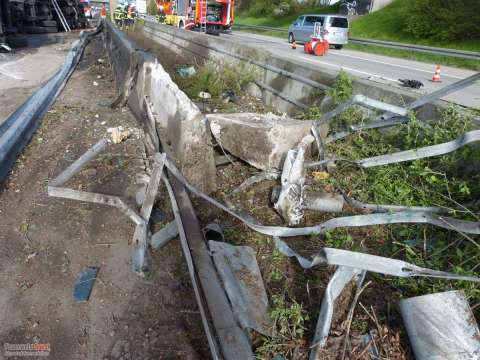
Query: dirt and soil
[[47, 241]]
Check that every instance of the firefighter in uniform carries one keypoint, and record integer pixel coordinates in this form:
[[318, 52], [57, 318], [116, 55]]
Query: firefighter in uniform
[[119, 16]]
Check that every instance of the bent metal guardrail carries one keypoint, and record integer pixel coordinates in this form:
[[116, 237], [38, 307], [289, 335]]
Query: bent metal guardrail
[[470, 55]]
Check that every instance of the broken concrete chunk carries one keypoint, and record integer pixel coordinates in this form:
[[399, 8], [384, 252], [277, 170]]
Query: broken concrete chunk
[[240, 274], [441, 326], [325, 202], [118, 134], [253, 90], [262, 140], [291, 200]]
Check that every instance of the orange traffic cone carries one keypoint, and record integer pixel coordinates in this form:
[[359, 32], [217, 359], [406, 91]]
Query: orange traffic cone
[[436, 76], [294, 45]]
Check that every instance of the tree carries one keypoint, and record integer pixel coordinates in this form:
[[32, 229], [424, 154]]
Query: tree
[[444, 20], [152, 8]]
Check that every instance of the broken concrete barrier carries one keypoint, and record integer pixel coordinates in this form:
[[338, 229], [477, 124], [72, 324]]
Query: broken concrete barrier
[[166, 111], [262, 140]]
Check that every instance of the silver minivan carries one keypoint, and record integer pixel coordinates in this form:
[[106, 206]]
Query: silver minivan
[[335, 28]]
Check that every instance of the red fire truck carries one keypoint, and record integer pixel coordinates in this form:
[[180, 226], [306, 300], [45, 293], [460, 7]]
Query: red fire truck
[[212, 16]]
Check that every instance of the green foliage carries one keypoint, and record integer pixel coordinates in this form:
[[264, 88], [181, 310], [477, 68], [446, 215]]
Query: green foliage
[[214, 79], [391, 24], [289, 321], [450, 181], [444, 20], [152, 8], [277, 13], [342, 89]]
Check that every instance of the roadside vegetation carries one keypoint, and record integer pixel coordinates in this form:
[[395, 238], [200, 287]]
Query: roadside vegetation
[[448, 24], [451, 182]]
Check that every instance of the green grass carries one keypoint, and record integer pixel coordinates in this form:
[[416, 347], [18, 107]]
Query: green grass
[[389, 24], [284, 21]]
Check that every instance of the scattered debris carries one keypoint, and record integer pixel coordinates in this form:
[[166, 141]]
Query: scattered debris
[[320, 175], [140, 253], [204, 95], [414, 84], [408, 155], [118, 134], [229, 96], [266, 175], [441, 326], [420, 217], [163, 237], [186, 71], [340, 279], [290, 202], [324, 202], [84, 284], [238, 268], [5, 47], [367, 262]]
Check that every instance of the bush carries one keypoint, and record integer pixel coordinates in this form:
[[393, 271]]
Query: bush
[[444, 20], [152, 8]]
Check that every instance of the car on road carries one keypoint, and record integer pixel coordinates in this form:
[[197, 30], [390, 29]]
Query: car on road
[[334, 27]]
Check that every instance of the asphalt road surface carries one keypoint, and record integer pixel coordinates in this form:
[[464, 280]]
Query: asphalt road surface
[[374, 67]]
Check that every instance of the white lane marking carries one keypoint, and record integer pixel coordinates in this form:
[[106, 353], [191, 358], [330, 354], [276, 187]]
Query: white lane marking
[[350, 69], [396, 65], [364, 59]]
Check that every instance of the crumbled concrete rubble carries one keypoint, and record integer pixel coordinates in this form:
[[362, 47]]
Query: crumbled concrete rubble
[[292, 196], [262, 140], [118, 134]]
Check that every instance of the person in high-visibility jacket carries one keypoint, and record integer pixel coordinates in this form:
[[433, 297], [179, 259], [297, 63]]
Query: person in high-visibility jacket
[[119, 16], [130, 15]]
